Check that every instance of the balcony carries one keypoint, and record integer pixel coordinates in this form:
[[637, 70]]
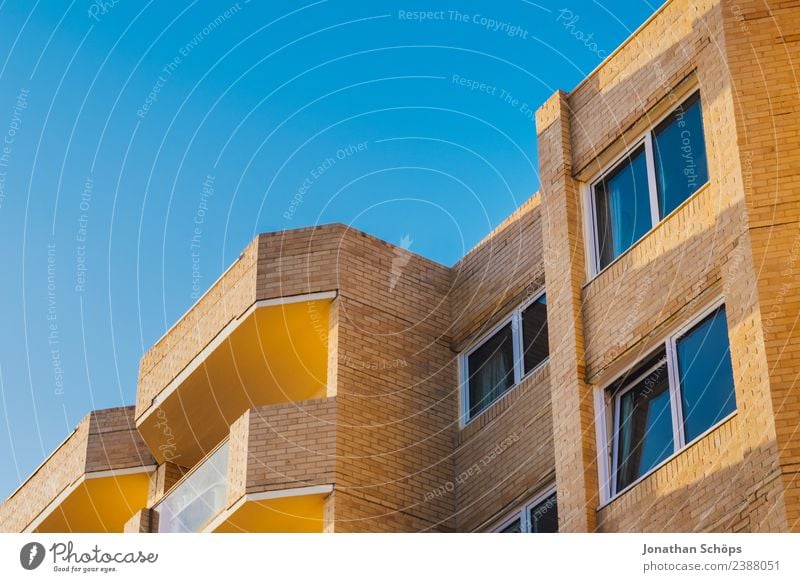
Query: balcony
[[200, 496], [94, 482], [275, 352], [272, 474]]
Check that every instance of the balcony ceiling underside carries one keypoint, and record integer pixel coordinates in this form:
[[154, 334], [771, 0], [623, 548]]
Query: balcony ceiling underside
[[300, 514], [99, 504], [276, 354]]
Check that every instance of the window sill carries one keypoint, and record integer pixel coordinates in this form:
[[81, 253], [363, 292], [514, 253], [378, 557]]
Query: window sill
[[471, 420], [645, 236], [672, 457]]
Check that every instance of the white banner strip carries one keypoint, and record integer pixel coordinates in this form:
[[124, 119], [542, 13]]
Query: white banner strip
[[402, 557]]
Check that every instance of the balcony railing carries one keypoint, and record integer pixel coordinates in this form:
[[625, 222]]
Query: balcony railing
[[198, 497]]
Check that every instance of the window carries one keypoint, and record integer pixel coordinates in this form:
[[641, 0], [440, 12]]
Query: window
[[514, 526], [543, 517], [535, 348], [538, 516], [491, 369], [668, 401], [660, 171], [679, 149], [644, 426], [622, 201], [499, 361], [706, 375]]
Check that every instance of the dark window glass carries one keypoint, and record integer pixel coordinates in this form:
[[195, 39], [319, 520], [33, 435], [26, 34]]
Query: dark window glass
[[544, 516], [644, 433], [534, 334], [706, 375], [513, 527], [622, 206], [491, 370], [679, 148]]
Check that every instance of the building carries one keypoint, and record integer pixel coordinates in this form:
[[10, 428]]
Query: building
[[621, 354]]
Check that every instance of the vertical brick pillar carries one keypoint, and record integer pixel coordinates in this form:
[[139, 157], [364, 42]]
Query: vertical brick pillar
[[572, 402], [238, 460], [162, 479], [762, 55], [140, 522]]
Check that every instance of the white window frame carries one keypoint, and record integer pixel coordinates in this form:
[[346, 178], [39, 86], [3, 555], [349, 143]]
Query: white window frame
[[523, 513], [617, 398], [515, 318], [589, 205], [607, 408]]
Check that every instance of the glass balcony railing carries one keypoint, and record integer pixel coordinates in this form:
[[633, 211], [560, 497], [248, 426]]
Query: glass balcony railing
[[198, 497]]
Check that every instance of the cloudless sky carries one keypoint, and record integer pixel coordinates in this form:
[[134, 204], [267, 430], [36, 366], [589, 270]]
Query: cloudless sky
[[127, 127]]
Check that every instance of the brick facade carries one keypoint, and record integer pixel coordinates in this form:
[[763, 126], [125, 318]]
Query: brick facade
[[104, 441], [389, 438], [505, 455], [731, 479]]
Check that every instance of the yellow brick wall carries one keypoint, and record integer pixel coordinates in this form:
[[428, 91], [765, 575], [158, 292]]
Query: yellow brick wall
[[238, 443], [357, 513], [498, 274], [291, 445], [729, 480], [505, 455], [113, 442], [395, 388], [763, 48], [571, 397], [508, 458], [300, 261]]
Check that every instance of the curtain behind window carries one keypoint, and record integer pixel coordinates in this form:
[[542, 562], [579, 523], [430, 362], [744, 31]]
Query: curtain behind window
[[645, 427], [622, 202], [491, 370]]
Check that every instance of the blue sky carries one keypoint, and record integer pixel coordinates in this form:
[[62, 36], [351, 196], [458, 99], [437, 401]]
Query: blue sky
[[144, 145]]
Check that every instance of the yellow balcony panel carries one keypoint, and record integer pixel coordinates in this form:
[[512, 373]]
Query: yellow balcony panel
[[277, 352], [93, 482], [272, 474], [98, 502], [289, 511]]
